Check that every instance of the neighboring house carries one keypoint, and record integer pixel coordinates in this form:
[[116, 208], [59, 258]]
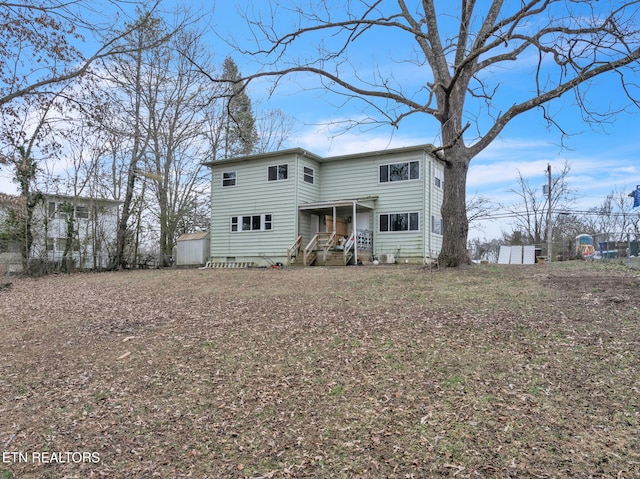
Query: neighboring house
[[83, 228], [295, 206], [12, 214]]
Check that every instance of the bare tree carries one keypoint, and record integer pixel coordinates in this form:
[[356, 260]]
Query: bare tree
[[132, 122], [615, 216], [176, 98], [273, 130], [49, 34], [457, 49], [28, 141], [478, 208], [531, 212]]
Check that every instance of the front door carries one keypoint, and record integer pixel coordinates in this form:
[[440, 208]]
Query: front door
[[341, 226], [315, 225]]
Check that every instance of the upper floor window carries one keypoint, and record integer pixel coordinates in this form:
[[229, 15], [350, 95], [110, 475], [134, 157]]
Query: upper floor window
[[437, 225], [63, 209], [438, 178], [399, 222], [82, 212], [278, 172], [409, 170], [308, 174], [229, 178]]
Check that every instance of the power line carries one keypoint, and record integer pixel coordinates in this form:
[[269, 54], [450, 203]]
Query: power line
[[563, 212]]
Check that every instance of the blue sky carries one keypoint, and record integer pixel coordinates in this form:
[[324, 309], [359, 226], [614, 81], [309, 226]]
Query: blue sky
[[601, 161]]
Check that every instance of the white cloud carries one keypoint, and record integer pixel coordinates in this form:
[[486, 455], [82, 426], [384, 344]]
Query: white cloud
[[6, 185], [327, 139]]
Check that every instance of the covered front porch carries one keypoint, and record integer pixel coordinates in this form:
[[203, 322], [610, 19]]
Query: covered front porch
[[333, 233]]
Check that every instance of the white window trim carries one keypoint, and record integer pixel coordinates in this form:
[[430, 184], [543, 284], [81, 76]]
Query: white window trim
[[437, 219], [278, 172], [438, 177], [264, 221], [408, 162], [305, 175], [235, 179], [87, 211], [399, 213]]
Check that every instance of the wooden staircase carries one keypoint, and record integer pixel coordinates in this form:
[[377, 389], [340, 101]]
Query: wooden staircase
[[322, 250]]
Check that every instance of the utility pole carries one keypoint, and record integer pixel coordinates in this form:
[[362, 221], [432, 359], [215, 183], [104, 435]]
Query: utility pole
[[549, 237]]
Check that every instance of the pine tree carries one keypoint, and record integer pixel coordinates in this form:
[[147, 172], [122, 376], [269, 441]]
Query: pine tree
[[240, 135]]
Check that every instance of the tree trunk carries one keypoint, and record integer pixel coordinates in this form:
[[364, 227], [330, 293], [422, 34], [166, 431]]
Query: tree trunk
[[121, 235], [165, 231], [456, 226]]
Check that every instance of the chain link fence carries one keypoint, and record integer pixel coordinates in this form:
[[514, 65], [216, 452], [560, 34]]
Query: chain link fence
[[44, 263], [623, 248]]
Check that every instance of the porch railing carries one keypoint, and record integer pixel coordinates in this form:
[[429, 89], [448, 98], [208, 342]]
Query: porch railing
[[346, 251]]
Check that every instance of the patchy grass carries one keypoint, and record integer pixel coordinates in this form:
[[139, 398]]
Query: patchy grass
[[369, 372]]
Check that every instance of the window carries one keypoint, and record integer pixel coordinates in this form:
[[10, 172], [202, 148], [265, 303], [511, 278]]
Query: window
[[52, 209], [251, 223], [438, 178], [400, 171], [60, 243], [278, 172], [82, 212], [308, 174], [399, 222], [229, 178], [437, 225]]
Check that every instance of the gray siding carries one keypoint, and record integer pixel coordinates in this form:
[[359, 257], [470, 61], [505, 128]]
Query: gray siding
[[360, 177], [307, 193], [433, 207], [343, 178], [253, 194]]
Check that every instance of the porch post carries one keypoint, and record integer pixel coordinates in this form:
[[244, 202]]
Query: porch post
[[354, 222], [334, 219]]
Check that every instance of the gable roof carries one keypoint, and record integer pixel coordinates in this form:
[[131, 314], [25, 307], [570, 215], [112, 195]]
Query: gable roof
[[261, 156], [427, 148]]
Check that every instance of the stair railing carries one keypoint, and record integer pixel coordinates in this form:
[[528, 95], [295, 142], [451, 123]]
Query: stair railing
[[348, 246], [309, 251], [294, 249], [321, 241], [328, 243]]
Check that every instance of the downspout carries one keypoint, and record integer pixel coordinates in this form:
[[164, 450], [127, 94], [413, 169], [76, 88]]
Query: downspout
[[296, 223], [354, 222], [427, 222]]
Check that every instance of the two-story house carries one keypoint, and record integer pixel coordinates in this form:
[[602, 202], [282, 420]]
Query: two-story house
[[82, 229], [293, 205]]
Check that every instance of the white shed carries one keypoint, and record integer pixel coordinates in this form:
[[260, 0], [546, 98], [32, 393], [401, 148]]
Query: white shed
[[193, 249]]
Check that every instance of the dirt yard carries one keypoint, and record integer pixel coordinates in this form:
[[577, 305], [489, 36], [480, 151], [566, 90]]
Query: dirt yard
[[360, 372]]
